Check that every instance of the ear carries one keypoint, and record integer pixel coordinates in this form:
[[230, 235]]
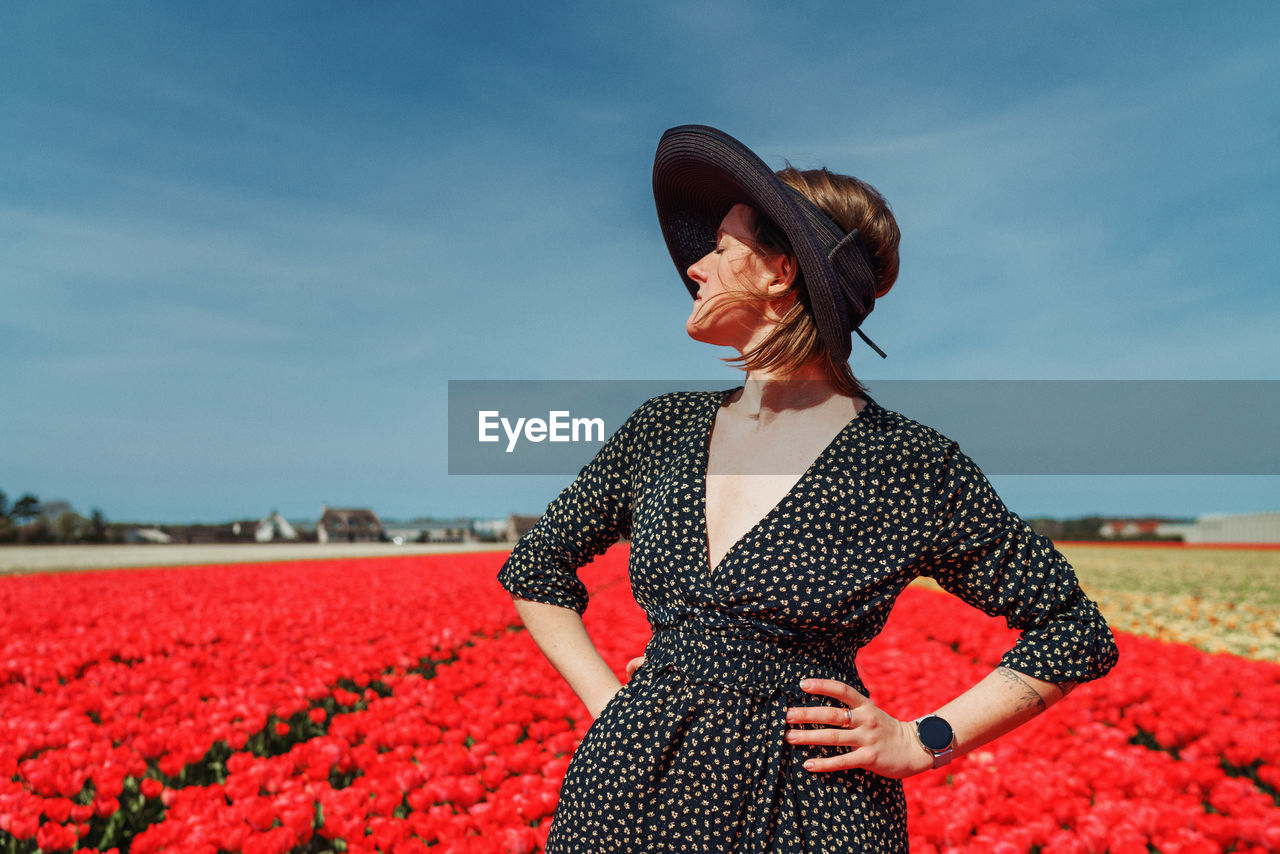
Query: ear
[[783, 268]]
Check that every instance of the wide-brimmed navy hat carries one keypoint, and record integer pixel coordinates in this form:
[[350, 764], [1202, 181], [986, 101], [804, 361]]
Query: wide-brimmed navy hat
[[699, 173]]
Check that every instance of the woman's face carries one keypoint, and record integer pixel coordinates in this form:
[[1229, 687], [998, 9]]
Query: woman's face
[[733, 266]]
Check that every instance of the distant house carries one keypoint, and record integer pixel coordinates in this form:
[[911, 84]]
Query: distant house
[[446, 531], [1230, 528], [518, 526], [489, 530], [349, 525], [401, 533], [274, 527], [146, 535], [1127, 529]]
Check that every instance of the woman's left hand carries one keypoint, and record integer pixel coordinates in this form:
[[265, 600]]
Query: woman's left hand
[[874, 740]]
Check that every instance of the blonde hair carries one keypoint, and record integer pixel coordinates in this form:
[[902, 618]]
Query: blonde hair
[[794, 340]]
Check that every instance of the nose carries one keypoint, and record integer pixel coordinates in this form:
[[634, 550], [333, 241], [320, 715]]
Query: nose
[[695, 270]]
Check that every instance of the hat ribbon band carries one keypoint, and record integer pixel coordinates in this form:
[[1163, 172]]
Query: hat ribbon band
[[870, 343], [852, 264]]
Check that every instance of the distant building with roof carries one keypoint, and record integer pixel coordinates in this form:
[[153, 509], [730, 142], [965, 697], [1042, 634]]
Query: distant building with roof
[[273, 527], [348, 525], [518, 526], [446, 531], [1122, 529], [146, 535], [1228, 528]]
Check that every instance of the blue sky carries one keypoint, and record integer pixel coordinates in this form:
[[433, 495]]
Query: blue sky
[[244, 246]]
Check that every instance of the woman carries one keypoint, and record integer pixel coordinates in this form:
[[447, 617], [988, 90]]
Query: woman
[[772, 526]]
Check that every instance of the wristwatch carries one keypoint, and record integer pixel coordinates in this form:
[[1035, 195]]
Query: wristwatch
[[936, 736]]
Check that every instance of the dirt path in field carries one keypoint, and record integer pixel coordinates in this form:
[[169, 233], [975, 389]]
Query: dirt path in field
[[23, 559]]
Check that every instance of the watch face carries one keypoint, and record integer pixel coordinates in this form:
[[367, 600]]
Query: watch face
[[935, 733]]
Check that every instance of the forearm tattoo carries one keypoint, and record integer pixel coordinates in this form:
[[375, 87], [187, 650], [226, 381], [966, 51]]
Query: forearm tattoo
[[1030, 698]]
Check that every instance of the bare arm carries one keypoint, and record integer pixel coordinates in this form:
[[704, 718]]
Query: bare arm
[[563, 639], [1003, 700], [881, 743]]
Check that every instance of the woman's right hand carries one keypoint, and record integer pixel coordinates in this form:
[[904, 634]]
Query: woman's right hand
[[633, 665]]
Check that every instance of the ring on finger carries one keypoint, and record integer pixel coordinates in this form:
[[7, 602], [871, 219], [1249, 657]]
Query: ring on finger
[[848, 724]]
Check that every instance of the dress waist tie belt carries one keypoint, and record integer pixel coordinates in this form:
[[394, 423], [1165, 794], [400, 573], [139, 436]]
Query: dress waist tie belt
[[750, 665], [769, 669]]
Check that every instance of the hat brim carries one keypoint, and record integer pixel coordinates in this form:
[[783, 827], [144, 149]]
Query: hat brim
[[699, 173]]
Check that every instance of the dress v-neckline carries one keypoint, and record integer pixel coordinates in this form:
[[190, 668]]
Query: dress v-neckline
[[704, 464]]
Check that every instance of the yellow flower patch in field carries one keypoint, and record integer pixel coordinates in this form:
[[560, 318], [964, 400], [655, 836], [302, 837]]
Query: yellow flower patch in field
[[1234, 575], [1214, 626], [1220, 600]]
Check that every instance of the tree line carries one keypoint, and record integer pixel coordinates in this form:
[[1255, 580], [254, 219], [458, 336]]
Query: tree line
[[28, 520]]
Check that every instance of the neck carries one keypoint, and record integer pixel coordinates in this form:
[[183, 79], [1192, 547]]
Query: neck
[[765, 394]]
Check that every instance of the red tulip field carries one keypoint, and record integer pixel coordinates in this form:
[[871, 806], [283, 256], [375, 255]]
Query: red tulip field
[[394, 704]]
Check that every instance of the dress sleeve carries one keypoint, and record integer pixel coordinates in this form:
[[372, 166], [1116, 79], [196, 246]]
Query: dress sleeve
[[583, 521], [992, 559]]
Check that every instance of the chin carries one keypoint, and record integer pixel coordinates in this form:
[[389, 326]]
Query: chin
[[697, 333], [707, 337], [692, 330], [714, 328]]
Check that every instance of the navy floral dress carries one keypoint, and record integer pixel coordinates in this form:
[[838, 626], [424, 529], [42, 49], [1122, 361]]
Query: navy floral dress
[[690, 755]]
